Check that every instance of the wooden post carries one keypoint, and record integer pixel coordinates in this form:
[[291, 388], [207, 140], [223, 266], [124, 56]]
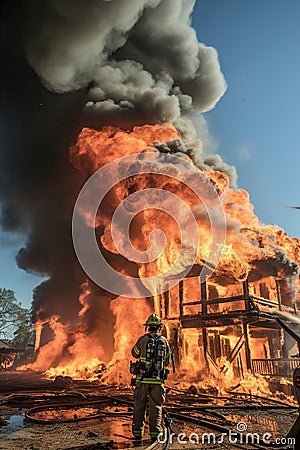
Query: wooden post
[[246, 295], [285, 352], [240, 366], [247, 346], [203, 289], [278, 294], [166, 302], [205, 344], [181, 298]]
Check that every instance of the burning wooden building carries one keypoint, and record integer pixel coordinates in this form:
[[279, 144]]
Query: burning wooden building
[[224, 323]]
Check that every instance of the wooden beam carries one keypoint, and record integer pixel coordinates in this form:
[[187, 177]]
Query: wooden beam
[[192, 303], [247, 346], [278, 293], [166, 303], [218, 301], [181, 298], [203, 290], [246, 295], [205, 344]]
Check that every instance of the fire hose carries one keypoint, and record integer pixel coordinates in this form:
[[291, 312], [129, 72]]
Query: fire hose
[[176, 411], [234, 394], [39, 394], [168, 422], [208, 424], [55, 406]]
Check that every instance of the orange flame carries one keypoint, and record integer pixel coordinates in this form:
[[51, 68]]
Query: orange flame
[[74, 351]]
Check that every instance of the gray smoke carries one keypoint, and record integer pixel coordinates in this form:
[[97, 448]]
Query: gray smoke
[[140, 61], [194, 149], [138, 57]]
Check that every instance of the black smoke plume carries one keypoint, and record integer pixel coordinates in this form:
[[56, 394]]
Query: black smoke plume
[[70, 63]]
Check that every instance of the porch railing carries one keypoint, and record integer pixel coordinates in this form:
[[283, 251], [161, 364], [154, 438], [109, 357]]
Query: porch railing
[[279, 367]]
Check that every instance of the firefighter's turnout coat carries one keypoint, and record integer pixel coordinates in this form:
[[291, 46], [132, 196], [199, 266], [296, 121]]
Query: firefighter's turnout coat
[[148, 386]]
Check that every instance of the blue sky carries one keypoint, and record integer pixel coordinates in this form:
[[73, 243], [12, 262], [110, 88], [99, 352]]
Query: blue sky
[[11, 277], [257, 122]]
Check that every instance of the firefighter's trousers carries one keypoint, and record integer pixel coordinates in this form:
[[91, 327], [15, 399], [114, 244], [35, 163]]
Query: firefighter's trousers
[[157, 397]]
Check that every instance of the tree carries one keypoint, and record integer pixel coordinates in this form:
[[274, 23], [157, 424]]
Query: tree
[[15, 324]]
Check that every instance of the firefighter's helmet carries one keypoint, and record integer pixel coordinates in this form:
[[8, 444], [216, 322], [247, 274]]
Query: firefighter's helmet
[[153, 320]]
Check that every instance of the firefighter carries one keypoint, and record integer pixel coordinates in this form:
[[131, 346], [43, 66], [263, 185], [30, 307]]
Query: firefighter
[[153, 353]]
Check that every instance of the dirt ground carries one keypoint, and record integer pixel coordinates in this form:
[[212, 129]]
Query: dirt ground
[[115, 433], [109, 432]]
